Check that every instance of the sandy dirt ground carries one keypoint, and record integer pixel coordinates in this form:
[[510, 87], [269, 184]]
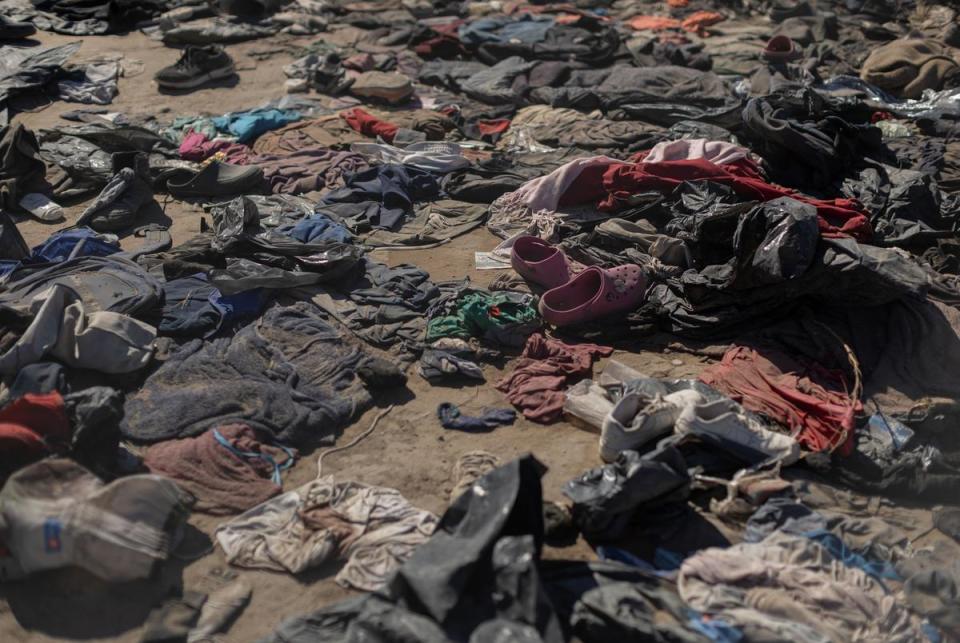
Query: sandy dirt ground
[[409, 450]]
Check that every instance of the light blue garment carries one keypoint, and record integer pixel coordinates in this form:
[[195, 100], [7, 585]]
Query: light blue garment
[[247, 126]]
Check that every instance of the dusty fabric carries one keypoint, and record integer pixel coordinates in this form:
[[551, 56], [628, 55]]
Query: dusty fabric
[[935, 594], [611, 186], [906, 350], [479, 572], [791, 588], [308, 169], [810, 399], [543, 115], [908, 67], [21, 170], [388, 87], [62, 328], [384, 306], [537, 383], [719, 152], [223, 480], [544, 193], [432, 223], [57, 514], [599, 136], [326, 132], [196, 147], [95, 83], [24, 69], [441, 158], [375, 529], [298, 396]]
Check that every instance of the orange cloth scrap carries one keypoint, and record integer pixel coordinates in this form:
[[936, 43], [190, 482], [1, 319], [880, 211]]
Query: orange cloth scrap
[[696, 22]]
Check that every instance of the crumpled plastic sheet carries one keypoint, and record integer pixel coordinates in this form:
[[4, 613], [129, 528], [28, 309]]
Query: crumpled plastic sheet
[[933, 104]]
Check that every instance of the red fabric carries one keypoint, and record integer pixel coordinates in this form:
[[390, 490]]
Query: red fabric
[[809, 399], [539, 380], [610, 186], [368, 124], [493, 126], [30, 428]]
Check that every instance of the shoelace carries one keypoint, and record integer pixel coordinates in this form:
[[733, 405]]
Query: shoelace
[[277, 468], [186, 60]]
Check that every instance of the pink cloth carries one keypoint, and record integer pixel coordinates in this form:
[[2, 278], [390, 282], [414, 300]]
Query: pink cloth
[[544, 193], [196, 147], [538, 384], [719, 152], [222, 480]]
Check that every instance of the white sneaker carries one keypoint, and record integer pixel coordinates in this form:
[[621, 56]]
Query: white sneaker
[[725, 421], [637, 420]]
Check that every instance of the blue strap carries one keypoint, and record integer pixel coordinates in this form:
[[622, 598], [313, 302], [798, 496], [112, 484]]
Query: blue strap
[[277, 468]]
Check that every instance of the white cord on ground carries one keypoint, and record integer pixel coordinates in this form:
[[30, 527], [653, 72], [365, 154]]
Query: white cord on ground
[[355, 441]]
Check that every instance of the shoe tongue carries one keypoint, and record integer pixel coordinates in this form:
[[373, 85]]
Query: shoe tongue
[[190, 54]]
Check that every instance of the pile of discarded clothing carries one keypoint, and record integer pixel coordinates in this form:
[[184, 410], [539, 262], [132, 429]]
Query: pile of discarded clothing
[[772, 186]]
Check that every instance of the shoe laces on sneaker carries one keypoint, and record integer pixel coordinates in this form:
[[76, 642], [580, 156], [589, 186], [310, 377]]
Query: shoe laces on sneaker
[[189, 58]]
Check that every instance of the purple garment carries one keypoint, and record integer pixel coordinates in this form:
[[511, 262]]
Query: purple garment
[[196, 147], [309, 169]]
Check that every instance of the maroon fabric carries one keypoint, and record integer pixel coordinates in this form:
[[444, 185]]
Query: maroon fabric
[[539, 380], [196, 147], [439, 41], [809, 399], [30, 428], [369, 125], [222, 481], [612, 185]]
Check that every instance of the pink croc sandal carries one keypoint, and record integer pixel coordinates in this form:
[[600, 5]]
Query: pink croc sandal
[[537, 261], [593, 294]]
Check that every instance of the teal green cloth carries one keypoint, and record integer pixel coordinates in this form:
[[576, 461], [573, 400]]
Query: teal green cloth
[[478, 312], [183, 125]]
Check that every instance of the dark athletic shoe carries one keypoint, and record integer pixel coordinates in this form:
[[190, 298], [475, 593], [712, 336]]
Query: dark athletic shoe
[[10, 30], [196, 66]]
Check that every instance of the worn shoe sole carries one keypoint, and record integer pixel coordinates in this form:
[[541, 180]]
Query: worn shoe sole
[[215, 74]]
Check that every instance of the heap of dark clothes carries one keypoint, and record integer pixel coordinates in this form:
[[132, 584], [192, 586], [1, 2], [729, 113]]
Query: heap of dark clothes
[[784, 177]]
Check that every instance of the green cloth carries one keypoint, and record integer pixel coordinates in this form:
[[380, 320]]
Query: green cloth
[[183, 125], [477, 312]]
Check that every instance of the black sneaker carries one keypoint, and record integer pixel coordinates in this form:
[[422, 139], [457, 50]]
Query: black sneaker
[[196, 66], [10, 30]]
